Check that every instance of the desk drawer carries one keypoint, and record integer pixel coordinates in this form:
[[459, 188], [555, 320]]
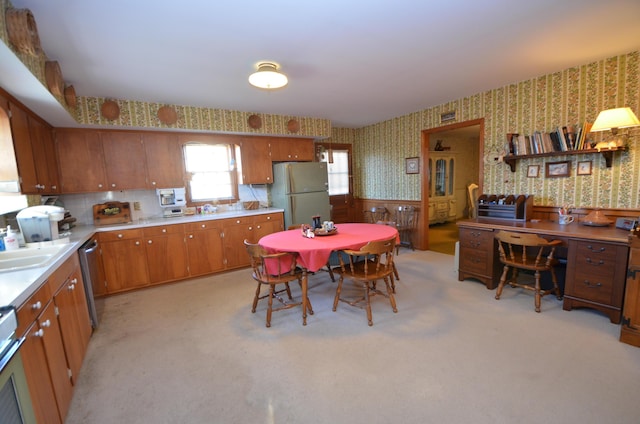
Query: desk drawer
[[475, 261], [596, 252], [476, 239], [596, 288]]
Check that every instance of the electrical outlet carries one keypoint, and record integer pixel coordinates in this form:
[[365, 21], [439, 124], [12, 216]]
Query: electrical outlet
[[136, 206]]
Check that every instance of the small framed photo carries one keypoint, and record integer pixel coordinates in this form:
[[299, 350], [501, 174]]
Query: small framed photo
[[533, 171], [584, 168], [558, 169], [412, 165]]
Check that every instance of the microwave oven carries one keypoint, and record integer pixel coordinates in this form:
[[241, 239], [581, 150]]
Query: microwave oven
[[171, 197]]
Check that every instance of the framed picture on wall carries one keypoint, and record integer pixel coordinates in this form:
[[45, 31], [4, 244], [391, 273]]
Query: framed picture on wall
[[412, 165], [533, 171], [584, 167], [558, 169]]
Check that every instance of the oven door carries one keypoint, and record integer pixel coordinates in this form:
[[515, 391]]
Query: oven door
[[15, 402]]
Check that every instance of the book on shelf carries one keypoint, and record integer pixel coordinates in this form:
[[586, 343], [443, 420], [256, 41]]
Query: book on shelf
[[562, 139]]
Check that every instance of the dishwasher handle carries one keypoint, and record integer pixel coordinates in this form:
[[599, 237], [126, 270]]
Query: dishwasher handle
[[90, 247]]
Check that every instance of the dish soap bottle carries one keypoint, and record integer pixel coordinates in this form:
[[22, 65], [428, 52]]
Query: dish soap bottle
[[11, 241]]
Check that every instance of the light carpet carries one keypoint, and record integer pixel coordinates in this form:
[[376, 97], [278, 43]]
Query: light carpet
[[192, 352]]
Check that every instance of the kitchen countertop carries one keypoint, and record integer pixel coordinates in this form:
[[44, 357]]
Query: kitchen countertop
[[17, 286]]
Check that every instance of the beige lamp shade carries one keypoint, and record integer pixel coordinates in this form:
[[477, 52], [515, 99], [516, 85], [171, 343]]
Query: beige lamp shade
[[612, 119]]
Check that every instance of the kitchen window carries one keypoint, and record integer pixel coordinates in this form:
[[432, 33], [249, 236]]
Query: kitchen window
[[338, 172], [211, 172]]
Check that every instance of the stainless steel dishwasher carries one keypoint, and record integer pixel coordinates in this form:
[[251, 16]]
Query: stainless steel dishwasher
[[88, 253]]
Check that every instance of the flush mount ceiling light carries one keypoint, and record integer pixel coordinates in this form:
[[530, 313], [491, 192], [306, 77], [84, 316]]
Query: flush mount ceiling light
[[268, 77]]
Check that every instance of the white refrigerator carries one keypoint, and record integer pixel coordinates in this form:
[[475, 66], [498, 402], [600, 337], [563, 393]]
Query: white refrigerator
[[301, 189]]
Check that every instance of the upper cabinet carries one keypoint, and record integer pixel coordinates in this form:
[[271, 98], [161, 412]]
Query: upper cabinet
[[124, 159], [81, 161], [291, 149], [254, 161], [35, 153], [165, 167]]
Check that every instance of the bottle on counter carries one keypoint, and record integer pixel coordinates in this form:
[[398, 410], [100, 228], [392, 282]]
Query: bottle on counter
[[2, 248], [11, 241]]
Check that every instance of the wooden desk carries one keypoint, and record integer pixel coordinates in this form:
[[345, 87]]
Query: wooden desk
[[596, 259]]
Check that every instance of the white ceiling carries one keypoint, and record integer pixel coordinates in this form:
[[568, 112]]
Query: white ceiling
[[353, 62]]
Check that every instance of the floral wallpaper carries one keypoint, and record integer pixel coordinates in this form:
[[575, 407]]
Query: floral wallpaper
[[568, 97]]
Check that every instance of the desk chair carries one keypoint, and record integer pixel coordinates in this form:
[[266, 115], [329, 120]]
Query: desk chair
[[530, 252], [282, 271], [374, 261], [472, 198], [299, 227]]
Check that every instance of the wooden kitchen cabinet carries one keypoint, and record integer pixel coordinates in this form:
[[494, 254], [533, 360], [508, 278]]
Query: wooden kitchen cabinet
[[285, 149], [36, 371], [163, 155], [266, 224], [81, 161], [254, 161], [124, 160], [35, 153], [166, 250], [205, 247], [124, 259], [73, 316], [235, 231], [596, 274]]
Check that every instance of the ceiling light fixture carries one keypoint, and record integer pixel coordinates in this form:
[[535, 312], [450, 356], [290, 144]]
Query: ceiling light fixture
[[268, 77]]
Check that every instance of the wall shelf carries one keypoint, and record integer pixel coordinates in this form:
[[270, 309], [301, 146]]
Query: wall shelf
[[606, 153]]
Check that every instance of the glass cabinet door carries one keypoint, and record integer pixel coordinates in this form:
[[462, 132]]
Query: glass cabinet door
[[451, 174], [441, 177]]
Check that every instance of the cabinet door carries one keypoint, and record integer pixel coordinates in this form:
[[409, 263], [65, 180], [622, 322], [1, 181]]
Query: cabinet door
[[73, 317], [164, 160], [23, 150], [56, 358], [235, 231], [36, 371], [81, 161], [44, 157], [266, 224], [291, 149], [124, 160], [125, 264], [254, 166], [166, 253], [204, 247]]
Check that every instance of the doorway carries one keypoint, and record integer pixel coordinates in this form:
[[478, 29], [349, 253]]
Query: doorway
[[464, 142]]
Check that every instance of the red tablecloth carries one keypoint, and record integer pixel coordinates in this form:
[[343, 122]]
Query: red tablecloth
[[314, 252]]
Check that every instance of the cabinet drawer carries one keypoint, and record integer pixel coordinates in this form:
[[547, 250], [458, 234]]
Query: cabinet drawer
[[33, 307], [163, 230], [596, 252], [202, 226], [475, 239], [120, 235], [593, 287], [475, 260], [241, 220]]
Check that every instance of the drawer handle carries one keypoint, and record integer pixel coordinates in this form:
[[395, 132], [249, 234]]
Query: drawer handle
[[590, 247], [39, 333], [47, 323], [475, 234], [590, 285], [36, 306], [589, 261]]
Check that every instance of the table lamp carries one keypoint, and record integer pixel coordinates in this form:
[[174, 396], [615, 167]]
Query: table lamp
[[613, 119]]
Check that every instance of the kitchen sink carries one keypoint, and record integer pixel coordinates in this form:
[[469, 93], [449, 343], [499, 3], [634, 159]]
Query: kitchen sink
[[29, 257]]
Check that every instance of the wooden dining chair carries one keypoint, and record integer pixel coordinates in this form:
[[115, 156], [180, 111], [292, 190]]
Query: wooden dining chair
[[528, 252], [299, 227], [406, 220], [373, 262], [376, 214], [275, 270]]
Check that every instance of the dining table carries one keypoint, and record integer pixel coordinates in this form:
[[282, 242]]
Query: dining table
[[313, 253]]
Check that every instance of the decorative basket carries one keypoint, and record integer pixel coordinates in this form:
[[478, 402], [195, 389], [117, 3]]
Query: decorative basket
[[251, 205], [22, 31]]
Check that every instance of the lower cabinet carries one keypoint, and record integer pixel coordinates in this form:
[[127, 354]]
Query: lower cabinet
[[124, 260], [630, 329], [477, 250], [132, 259], [55, 341], [166, 253], [204, 247]]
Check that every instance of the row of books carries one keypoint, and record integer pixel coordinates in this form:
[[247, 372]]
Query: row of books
[[561, 140]]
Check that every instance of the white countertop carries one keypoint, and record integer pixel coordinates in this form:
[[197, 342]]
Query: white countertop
[[17, 286]]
